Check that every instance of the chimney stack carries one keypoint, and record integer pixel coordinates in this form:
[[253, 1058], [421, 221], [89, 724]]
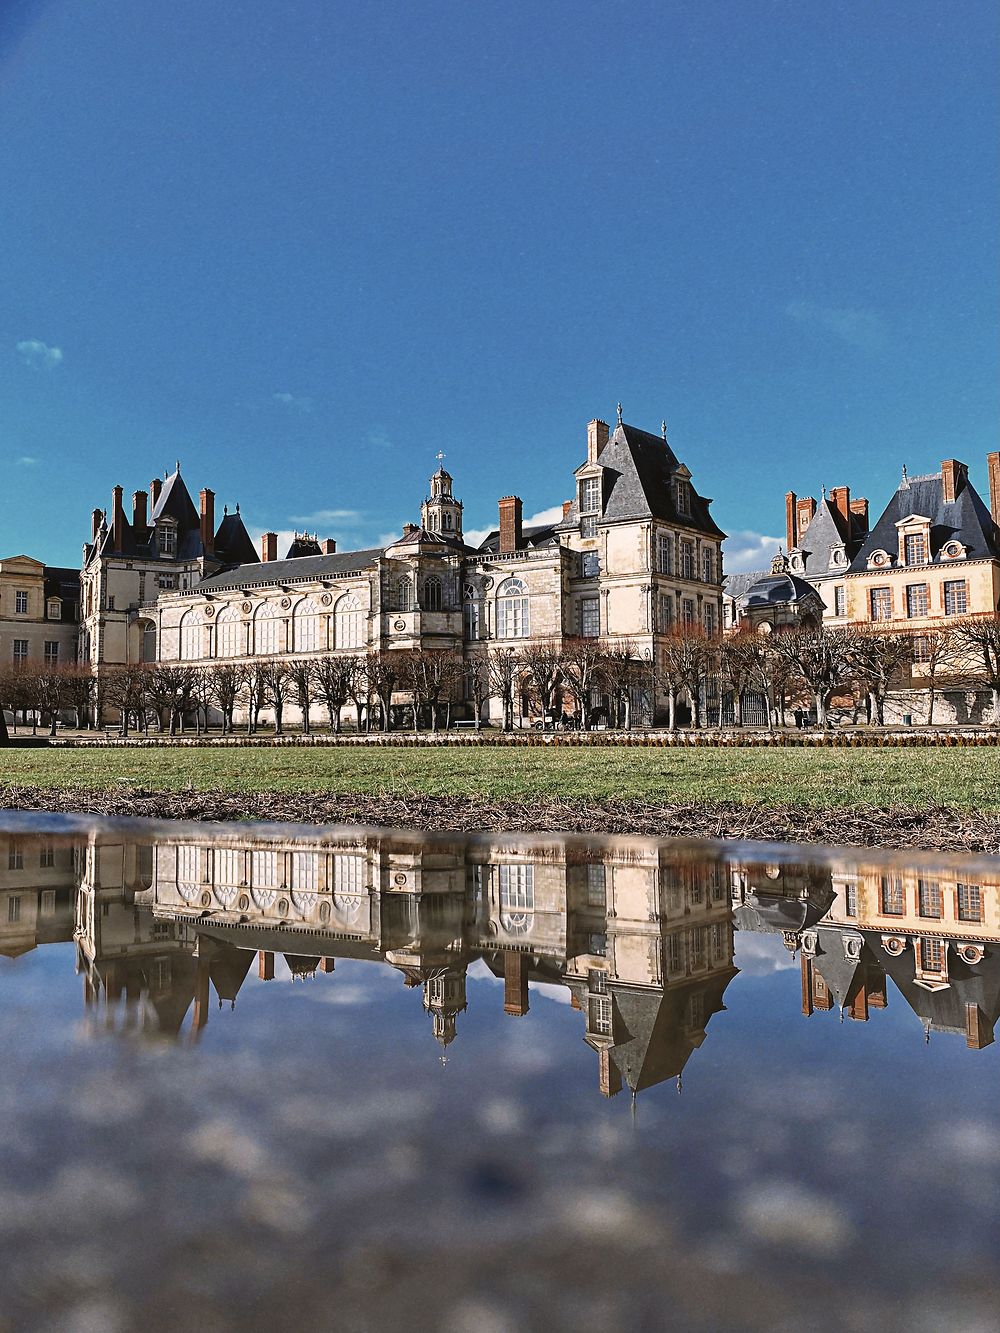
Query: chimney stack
[[859, 508], [597, 438], [791, 521], [805, 509], [117, 520], [515, 983], [567, 506], [510, 523], [953, 474], [207, 522], [840, 498], [155, 487], [993, 467], [269, 546], [329, 546], [139, 499], [96, 519]]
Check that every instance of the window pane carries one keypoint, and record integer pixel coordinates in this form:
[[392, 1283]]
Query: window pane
[[892, 896], [970, 902], [930, 898], [955, 598], [881, 603]]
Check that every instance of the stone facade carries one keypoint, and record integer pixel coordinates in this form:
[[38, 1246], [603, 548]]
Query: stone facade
[[39, 612]]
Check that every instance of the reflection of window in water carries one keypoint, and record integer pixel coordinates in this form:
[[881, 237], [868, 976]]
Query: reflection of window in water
[[517, 898], [697, 892], [348, 874], [718, 889], [597, 981], [892, 896], [144, 864], [47, 906], [932, 955], [597, 943], [160, 977], [596, 885], [675, 952], [970, 902], [719, 942], [929, 894], [13, 909], [599, 1013], [264, 869], [15, 857], [47, 857], [699, 946], [187, 865], [696, 1010], [229, 865], [305, 870], [851, 900]]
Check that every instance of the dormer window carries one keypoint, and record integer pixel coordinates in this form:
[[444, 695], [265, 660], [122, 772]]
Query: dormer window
[[795, 562], [915, 548], [953, 551], [167, 537], [54, 610], [682, 496], [879, 560], [590, 495], [838, 556]]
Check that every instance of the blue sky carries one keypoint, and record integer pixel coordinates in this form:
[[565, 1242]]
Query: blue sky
[[302, 247]]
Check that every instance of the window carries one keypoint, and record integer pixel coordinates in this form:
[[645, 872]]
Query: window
[[264, 870], [710, 619], [596, 886], [665, 612], [588, 525], [305, 870], [665, 553], [46, 857], [839, 601], [891, 896], [167, 538], [915, 548], [21, 603], [473, 619], [20, 652], [111, 602], [851, 900], [54, 609], [307, 627], [267, 630], [696, 1012], [590, 565], [929, 898], [432, 593], [590, 618], [720, 942], [47, 903], [15, 857], [166, 581], [350, 629], [517, 898], [687, 560], [348, 874], [447, 522], [599, 1013], [687, 611], [193, 637], [590, 495], [401, 593], [675, 952], [228, 635], [698, 946], [880, 603], [923, 646], [682, 495], [708, 565], [50, 653], [956, 597], [13, 909], [513, 621], [970, 902], [917, 600], [932, 955]]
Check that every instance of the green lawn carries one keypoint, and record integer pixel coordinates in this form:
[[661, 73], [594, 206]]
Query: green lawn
[[819, 778]]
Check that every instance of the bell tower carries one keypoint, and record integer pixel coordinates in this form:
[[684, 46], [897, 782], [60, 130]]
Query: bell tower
[[441, 512]]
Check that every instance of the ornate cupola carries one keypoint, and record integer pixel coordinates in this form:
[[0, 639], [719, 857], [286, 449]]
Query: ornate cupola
[[441, 513]]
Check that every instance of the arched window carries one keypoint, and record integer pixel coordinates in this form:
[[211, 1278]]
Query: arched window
[[229, 641], [512, 610], [147, 630], [192, 636], [350, 630], [307, 627], [401, 593], [267, 630], [517, 898], [432, 593]]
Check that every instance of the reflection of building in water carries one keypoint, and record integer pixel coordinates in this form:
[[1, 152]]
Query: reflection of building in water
[[38, 876]]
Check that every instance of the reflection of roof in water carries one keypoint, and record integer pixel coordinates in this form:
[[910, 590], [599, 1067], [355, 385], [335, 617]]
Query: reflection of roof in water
[[228, 970], [776, 913], [833, 963], [944, 1010]]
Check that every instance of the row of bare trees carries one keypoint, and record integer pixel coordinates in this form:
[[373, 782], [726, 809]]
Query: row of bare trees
[[856, 665]]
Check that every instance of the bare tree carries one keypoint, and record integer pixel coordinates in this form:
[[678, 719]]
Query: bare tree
[[335, 681], [582, 663], [302, 671], [821, 659], [477, 676], [225, 681], [878, 659], [939, 656], [504, 673], [171, 689], [543, 662], [382, 674], [79, 692], [127, 689], [276, 679], [685, 655], [622, 670], [255, 684], [976, 641]]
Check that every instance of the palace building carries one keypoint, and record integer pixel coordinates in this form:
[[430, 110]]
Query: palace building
[[635, 552]]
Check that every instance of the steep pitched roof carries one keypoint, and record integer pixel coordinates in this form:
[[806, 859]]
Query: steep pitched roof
[[652, 1039], [543, 534], [944, 1010], [232, 542], [639, 470], [965, 519], [305, 567], [175, 502], [825, 532]]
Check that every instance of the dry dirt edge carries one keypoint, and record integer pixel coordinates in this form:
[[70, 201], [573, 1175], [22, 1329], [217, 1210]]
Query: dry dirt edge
[[933, 829]]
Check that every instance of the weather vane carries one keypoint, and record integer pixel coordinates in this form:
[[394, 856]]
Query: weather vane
[[619, 414], [440, 456]]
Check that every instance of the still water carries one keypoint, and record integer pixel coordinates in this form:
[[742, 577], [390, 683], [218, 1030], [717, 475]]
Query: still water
[[373, 1079]]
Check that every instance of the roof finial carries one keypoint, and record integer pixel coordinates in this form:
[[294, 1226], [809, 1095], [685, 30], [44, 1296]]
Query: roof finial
[[619, 414], [823, 489], [440, 456], [237, 506], [663, 431], [178, 466], [680, 1085], [906, 479], [225, 510]]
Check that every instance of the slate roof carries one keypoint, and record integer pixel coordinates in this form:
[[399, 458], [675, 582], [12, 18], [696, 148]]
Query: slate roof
[[966, 519], [778, 590], [776, 913], [638, 483], [651, 1039], [834, 966], [175, 502], [303, 546], [290, 571], [232, 542], [826, 530], [735, 585], [64, 584], [944, 1010], [531, 538]]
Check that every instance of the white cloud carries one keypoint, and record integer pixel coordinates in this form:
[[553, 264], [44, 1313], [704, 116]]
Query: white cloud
[[293, 401], [749, 551], [26, 460], [323, 517], [760, 955], [35, 353], [476, 536], [851, 324]]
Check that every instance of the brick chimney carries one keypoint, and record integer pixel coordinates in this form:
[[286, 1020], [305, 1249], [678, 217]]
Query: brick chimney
[[567, 506], [409, 529], [840, 498], [155, 487], [139, 499], [804, 511], [207, 521], [510, 523], [597, 438], [859, 509], [329, 546], [953, 475], [791, 523], [993, 467], [96, 519], [117, 520], [515, 984], [269, 546], [609, 1079]]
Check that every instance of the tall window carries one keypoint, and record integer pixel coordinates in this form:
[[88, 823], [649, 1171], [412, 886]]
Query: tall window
[[47, 857], [15, 856], [597, 893], [267, 630], [665, 612], [13, 909], [970, 902], [708, 565], [599, 1014], [839, 600], [517, 898], [687, 611], [588, 525], [51, 653], [932, 955], [590, 618], [474, 628], [20, 652], [929, 896], [167, 539], [192, 636], [891, 896], [513, 621], [350, 630], [54, 610], [880, 603], [917, 600], [590, 495], [590, 565], [21, 603], [401, 593], [851, 900], [228, 633], [432, 593], [710, 619], [682, 493], [915, 548], [147, 641], [687, 560], [956, 597], [307, 627], [665, 553]]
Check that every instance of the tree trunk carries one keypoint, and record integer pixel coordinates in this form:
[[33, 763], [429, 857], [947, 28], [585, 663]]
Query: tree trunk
[[820, 708], [672, 709]]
